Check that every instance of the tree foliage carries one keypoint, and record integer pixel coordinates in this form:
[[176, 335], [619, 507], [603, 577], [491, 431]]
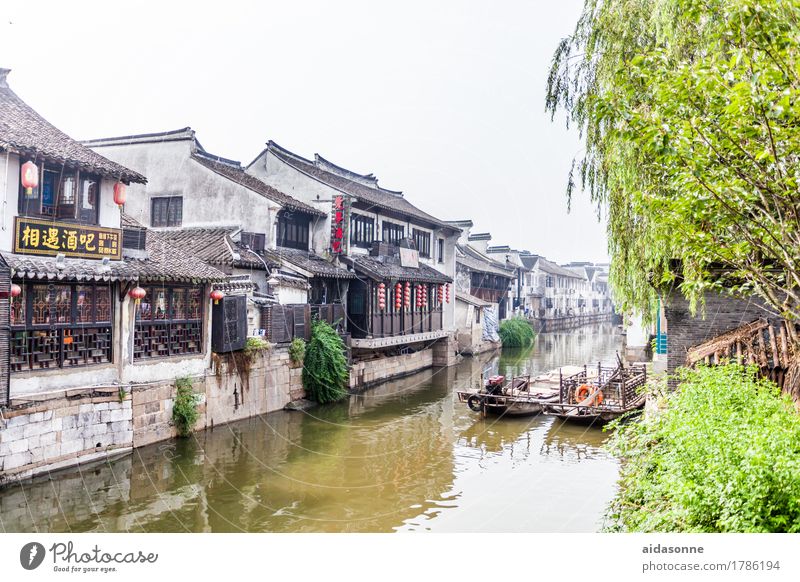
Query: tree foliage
[[516, 332], [325, 372], [689, 111], [184, 407], [722, 456]]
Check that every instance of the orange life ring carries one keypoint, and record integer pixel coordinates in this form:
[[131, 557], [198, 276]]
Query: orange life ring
[[583, 392]]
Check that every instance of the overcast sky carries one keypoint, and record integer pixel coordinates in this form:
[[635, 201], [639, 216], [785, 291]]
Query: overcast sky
[[442, 100]]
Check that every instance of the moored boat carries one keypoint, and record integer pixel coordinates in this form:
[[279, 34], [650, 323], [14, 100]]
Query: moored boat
[[518, 397], [582, 394]]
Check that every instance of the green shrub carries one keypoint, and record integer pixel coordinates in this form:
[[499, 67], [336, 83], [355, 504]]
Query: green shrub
[[516, 333], [325, 373], [253, 345], [297, 349], [184, 409], [723, 456]]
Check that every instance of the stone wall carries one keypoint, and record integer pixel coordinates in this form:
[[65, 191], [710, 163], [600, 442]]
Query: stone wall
[[722, 313], [366, 373], [80, 425], [233, 394]]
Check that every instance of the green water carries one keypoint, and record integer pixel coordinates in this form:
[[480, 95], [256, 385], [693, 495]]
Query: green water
[[404, 456]]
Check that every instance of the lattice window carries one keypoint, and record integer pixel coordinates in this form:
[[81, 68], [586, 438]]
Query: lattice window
[[60, 326], [169, 322]]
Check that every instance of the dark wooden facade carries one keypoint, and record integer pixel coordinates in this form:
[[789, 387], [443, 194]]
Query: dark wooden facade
[[283, 323], [367, 319]]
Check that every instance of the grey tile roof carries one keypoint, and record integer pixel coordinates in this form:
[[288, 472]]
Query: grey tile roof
[[24, 131], [389, 268], [314, 264], [553, 269], [165, 262], [471, 299], [363, 187], [215, 246], [476, 261], [234, 172]]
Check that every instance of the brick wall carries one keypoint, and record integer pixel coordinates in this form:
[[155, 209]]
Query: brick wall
[[722, 314]]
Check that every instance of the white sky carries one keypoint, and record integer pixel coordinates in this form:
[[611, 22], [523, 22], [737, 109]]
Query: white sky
[[442, 100]]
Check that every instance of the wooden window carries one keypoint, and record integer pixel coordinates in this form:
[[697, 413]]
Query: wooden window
[[60, 326], [440, 250], [167, 211], [362, 231], [422, 240], [169, 322], [393, 233], [254, 240], [62, 193], [293, 230]]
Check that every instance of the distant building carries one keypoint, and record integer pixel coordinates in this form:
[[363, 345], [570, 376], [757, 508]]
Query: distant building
[[482, 285]]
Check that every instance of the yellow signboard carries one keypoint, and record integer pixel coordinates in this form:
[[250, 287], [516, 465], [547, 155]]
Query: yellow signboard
[[33, 236]]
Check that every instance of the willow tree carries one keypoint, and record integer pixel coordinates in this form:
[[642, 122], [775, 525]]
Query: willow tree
[[689, 112]]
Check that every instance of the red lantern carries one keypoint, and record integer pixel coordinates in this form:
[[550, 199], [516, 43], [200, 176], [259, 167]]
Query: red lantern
[[424, 299], [16, 290], [30, 177], [418, 301], [137, 294], [407, 296], [439, 294], [216, 295], [119, 193], [447, 292], [381, 296], [398, 296]]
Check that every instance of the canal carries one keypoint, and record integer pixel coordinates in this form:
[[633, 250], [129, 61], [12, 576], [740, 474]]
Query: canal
[[401, 457]]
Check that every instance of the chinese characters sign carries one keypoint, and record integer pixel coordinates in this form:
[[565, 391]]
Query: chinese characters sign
[[340, 217], [45, 237]]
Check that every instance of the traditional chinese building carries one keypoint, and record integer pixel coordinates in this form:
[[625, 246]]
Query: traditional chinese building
[[91, 305], [210, 207], [402, 257]]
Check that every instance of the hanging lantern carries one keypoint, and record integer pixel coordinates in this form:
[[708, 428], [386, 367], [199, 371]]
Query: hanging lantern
[[137, 294], [381, 296], [447, 292], [439, 294], [418, 299], [30, 177], [424, 289], [398, 296], [119, 193], [407, 296], [216, 295], [16, 290]]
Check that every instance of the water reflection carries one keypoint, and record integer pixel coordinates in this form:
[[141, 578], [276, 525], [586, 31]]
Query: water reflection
[[403, 456]]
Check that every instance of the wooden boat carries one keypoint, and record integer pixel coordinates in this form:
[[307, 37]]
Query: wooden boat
[[582, 394], [600, 395], [518, 397]]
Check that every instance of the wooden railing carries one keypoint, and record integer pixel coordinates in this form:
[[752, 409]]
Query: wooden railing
[[619, 386], [760, 342]]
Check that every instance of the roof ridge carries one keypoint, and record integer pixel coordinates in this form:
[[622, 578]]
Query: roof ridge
[[233, 163], [25, 131], [188, 133]]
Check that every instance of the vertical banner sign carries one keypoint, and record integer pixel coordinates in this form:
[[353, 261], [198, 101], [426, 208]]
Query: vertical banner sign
[[340, 219]]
